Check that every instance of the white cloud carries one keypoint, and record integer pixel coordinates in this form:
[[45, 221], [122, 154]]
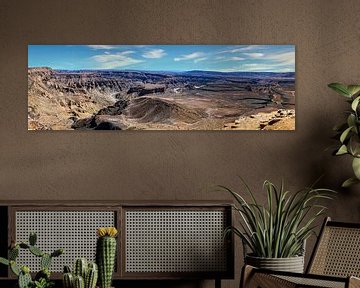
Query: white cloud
[[236, 58], [254, 55], [102, 47], [200, 59], [115, 60], [155, 53], [242, 49], [285, 58], [191, 56]]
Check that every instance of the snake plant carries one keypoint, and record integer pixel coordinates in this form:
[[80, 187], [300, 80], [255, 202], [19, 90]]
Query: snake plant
[[349, 131], [279, 228]]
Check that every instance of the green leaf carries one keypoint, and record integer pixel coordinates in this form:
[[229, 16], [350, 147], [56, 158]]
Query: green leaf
[[340, 88], [356, 167], [351, 120], [4, 261], [342, 150], [353, 89], [355, 103], [349, 182], [345, 134], [354, 145]]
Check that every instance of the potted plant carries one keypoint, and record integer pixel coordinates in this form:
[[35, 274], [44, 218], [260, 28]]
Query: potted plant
[[349, 132], [276, 233]]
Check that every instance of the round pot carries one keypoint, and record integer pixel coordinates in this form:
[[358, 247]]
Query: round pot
[[291, 264]]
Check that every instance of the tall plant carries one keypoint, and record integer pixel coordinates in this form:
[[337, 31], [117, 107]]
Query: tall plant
[[349, 131], [279, 229]]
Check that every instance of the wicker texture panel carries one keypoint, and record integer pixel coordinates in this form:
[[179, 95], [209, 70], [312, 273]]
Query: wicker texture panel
[[75, 231], [304, 282], [175, 241], [338, 253]]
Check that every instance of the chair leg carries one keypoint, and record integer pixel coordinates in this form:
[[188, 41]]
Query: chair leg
[[246, 274]]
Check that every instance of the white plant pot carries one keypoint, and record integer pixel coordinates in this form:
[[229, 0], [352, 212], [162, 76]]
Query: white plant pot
[[291, 264]]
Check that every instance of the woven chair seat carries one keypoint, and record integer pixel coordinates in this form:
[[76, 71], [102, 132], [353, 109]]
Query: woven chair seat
[[335, 262]]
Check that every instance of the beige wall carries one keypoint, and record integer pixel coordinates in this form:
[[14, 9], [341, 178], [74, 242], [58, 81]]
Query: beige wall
[[179, 165]]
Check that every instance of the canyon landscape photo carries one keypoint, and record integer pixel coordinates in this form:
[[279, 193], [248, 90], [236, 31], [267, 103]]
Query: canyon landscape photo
[[161, 87]]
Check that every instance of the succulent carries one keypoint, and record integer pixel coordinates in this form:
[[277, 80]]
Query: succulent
[[85, 275], [42, 278], [106, 254]]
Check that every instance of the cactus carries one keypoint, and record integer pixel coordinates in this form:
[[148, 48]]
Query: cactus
[[79, 282], [91, 276], [13, 253], [24, 279], [32, 239], [45, 261], [80, 268], [89, 272], [106, 254], [36, 251], [42, 278], [68, 280]]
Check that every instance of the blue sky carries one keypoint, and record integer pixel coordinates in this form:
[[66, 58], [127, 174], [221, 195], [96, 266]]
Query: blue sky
[[223, 58]]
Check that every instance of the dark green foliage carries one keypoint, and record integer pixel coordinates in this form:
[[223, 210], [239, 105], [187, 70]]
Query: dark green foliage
[[24, 245], [348, 132], [42, 283], [32, 239], [44, 273], [57, 252]]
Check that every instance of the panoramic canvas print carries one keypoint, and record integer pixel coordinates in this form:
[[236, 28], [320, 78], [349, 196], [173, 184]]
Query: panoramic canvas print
[[161, 87]]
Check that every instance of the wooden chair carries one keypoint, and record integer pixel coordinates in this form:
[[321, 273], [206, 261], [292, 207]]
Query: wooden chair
[[335, 262]]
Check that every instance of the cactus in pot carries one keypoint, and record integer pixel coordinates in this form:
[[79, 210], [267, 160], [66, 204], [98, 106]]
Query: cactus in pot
[[85, 275], [106, 254]]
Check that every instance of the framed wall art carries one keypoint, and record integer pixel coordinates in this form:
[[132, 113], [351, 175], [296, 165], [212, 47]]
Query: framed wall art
[[161, 87]]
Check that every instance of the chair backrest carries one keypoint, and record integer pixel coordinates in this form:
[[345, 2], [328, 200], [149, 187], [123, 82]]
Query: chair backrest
[[337, 251]]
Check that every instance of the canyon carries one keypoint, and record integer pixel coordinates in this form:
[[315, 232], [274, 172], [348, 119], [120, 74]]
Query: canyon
[[161, 100]]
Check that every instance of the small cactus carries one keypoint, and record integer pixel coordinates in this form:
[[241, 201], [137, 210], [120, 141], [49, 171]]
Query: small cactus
[[106, 254], [68, 280], [91, 276], [80, 268], [79, 282], [89, 272]]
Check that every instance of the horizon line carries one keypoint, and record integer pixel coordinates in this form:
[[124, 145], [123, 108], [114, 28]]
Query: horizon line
[[125, 70]]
